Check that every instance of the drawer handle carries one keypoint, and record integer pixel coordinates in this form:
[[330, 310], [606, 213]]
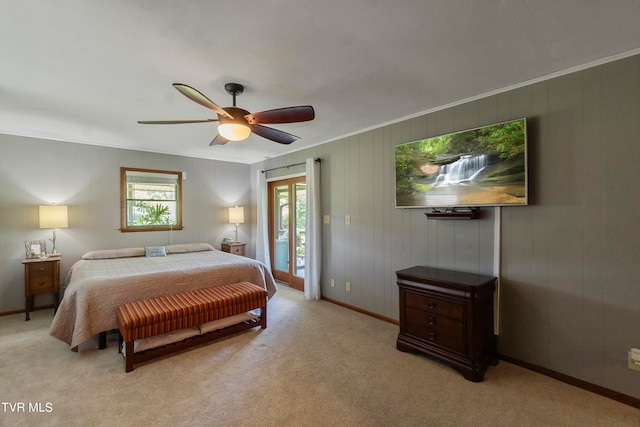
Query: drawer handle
[[431, 305], [432, 336], [432, 321], [42, 269]]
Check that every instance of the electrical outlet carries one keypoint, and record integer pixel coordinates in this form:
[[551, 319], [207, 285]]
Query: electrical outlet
[[327, 219], [347, 219], [633, 364], [348, 286], [333, 283]]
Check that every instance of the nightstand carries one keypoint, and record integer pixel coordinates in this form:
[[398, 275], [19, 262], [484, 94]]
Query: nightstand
[[41, 276], [234, 248]]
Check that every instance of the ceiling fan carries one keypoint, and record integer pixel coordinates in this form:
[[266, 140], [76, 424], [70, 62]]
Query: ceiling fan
[[236, 124]]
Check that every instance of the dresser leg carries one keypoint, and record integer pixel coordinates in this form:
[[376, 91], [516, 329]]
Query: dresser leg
[[474, 376], [404, 347], [27, 307]]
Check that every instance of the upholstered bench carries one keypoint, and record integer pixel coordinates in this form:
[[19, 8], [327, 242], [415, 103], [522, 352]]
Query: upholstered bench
[[192, 310]]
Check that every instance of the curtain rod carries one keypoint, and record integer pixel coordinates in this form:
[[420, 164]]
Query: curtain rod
[[318, 159]]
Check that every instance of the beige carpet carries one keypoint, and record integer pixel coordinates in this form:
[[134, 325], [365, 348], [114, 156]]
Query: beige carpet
[[317, 364]]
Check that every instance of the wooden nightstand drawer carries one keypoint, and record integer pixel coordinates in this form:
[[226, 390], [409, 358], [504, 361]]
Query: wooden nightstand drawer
[[435, 305], [234, 248], [41, 283], [39, 270]]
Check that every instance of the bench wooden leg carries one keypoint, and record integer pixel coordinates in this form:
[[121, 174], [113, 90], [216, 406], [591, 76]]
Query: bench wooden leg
[[263, 317], [128, 348]]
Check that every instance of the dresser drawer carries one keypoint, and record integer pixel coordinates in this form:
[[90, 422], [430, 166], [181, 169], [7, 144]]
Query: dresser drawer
[[434, 305], [436, 329]]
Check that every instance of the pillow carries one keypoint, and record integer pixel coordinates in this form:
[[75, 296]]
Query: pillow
[[114, 253], [154, 251], [189, 247]]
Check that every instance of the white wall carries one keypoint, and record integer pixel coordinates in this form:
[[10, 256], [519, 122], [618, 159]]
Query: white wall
[[87, 179]]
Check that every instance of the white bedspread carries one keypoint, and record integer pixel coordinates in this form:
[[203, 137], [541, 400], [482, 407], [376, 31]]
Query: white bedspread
[[97, 287]]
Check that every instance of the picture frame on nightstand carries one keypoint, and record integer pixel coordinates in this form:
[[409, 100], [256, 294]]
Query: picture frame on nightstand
[[35, 248]]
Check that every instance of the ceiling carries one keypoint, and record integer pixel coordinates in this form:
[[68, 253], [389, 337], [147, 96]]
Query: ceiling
[[86, 70]]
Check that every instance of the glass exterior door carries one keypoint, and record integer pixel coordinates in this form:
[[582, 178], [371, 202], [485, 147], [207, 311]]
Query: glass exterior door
[[287, 216]]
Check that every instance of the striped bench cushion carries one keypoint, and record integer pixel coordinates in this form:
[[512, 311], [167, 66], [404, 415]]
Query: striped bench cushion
[[150, 317]]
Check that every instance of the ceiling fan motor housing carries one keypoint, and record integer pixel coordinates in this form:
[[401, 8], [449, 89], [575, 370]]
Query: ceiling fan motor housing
[[236, 129], [238, 116]]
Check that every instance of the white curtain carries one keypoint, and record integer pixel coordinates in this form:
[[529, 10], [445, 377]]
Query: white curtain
[[313, 233], [262, 233]]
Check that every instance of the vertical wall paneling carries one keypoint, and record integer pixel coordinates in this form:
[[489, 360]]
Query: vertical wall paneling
[[566, 234], [366, 192], [569, 260], [390, 263], [621, 251], [592, 207], [353, 229], [379, 199]]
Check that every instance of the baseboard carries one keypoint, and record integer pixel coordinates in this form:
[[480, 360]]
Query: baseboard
[[359, 310], [611, 394], [9, 313]]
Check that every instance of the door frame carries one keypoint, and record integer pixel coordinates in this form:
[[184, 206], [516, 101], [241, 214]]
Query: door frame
[[288, 277]]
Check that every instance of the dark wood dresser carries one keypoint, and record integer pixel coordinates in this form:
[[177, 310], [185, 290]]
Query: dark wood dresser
[[449, 315]]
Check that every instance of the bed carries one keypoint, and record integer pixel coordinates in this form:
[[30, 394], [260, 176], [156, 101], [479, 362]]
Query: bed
[[103, 280]]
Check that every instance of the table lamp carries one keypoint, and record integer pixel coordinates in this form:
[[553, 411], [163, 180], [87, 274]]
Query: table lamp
[[236, 216], [55, 217]]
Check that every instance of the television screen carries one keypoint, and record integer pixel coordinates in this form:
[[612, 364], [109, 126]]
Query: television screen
[[486, 166]]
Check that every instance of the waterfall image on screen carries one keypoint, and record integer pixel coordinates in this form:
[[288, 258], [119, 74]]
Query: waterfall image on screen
[[479, 167]]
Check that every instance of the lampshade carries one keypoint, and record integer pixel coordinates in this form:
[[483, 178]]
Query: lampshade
[[236, 215], [53, 216], [234, 131]]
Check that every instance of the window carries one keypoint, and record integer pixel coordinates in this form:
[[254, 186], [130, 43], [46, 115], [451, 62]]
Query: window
[[150, 200]]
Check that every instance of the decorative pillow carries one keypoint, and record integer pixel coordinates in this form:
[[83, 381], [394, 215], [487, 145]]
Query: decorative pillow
[[114, 253], [189, 247], [154, 251]]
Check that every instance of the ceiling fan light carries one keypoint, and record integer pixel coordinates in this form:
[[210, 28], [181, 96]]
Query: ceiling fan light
[[234, 131]]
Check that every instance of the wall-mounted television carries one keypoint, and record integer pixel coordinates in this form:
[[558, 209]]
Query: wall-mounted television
[[486, 166]]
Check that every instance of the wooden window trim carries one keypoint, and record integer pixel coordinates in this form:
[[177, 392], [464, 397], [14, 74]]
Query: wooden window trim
[[123, 202]]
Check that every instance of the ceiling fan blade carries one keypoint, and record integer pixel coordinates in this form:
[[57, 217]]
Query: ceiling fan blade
[[219, 140], [196, 96], [300, 113], [174, 122], [273, 134]]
